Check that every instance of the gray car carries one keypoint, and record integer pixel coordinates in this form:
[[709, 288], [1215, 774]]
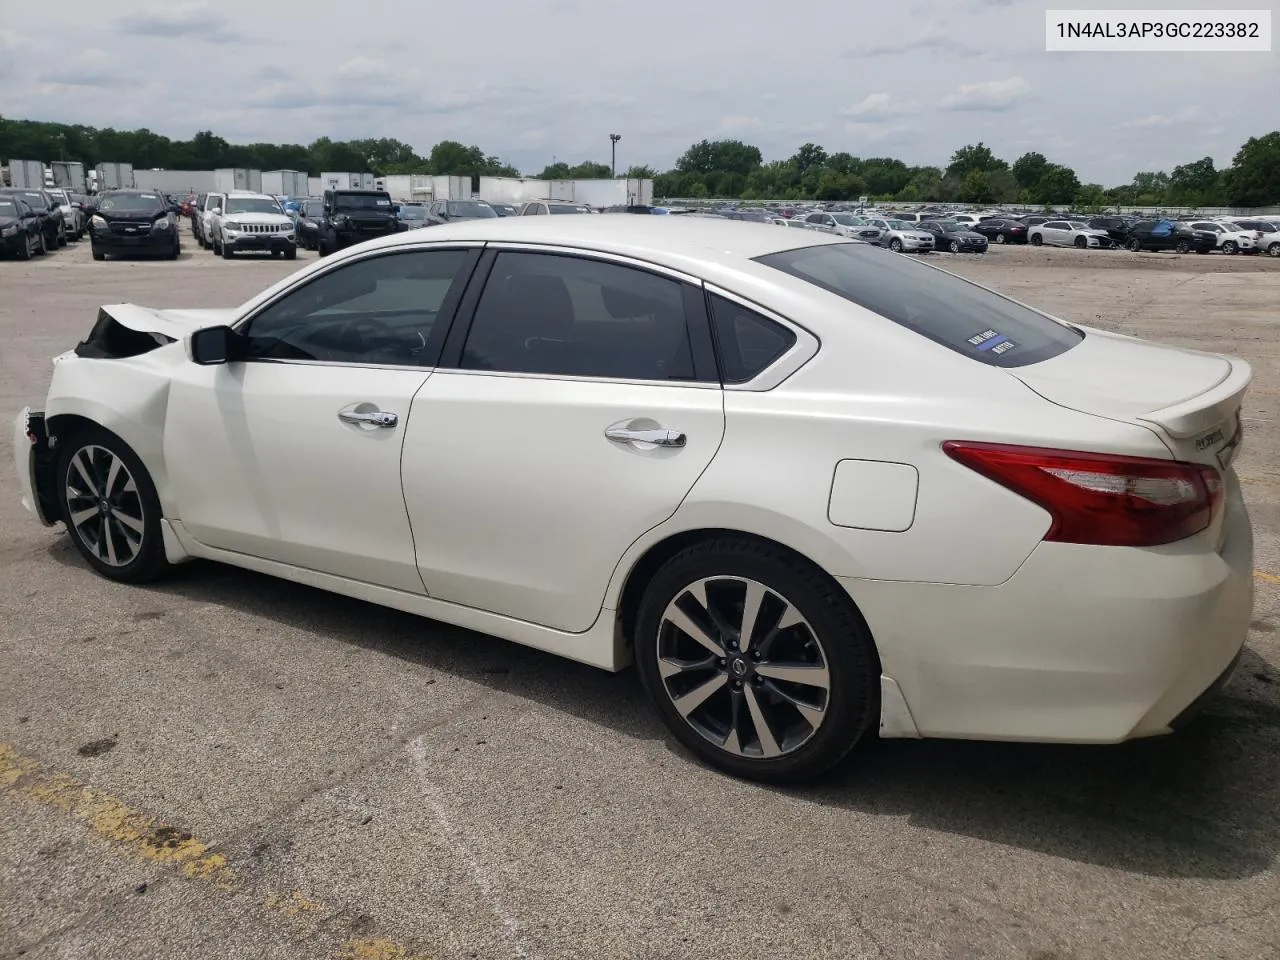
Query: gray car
[[902, 237], [72, 216]]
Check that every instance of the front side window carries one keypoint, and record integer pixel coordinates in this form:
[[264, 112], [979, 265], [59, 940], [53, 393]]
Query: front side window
[[379, 310], [944, 308], [569, 316]]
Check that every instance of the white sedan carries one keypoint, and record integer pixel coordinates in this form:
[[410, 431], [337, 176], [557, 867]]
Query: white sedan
[[1068, 233], [814, 491]]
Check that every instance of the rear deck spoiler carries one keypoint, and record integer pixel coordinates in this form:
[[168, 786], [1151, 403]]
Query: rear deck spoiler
[[1190, 418]]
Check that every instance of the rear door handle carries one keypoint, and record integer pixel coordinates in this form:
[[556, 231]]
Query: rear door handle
[[375, 418], [660, 437]]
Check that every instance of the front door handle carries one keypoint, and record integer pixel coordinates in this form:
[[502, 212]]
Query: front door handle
[[375, 418], [660, 437]]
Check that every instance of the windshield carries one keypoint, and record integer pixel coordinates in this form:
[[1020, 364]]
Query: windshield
[[1077, 225], [845, 219], [949, 311], [8, 208], [950, 226], [413, 213], [470, 208], [252, 205], [362, 201], [564, 208], [313, 208], [59, 196], [131, 203], [34, 199]]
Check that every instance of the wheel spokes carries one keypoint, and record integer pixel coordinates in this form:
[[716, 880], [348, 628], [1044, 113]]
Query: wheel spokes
[[743, 667], [104, 508]]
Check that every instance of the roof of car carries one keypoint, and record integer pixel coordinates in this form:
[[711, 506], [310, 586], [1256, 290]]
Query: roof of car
[[656, 238]]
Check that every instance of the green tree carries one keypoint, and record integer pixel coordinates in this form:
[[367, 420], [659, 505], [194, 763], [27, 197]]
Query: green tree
[[1057, 184], [1195, 183], [1254, 177], [809, 157], [1028, 169], [708, 156], [973, 157], [640, 172]]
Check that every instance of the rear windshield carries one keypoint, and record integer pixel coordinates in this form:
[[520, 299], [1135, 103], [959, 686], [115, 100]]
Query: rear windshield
[[931, 302], [362, 201], [8, 208]]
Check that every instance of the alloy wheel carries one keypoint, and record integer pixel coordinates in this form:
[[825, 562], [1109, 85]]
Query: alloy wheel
[[104, 506], [743, 667]]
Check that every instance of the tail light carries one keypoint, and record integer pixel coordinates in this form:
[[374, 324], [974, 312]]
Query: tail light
[[1099, 498]]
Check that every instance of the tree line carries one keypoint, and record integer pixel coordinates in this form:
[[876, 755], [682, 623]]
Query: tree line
[[709, 168]]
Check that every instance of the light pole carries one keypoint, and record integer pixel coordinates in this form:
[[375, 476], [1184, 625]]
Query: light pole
[[613, 153]]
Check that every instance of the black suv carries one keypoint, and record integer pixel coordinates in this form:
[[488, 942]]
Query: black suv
[[353, 216], [1117, 227], [1169, 235]]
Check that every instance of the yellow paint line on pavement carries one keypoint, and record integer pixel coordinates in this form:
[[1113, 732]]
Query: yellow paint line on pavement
[[1268, 577], [141, 834]]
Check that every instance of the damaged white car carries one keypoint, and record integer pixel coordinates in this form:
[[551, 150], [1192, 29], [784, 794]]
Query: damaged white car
[[812, 489]]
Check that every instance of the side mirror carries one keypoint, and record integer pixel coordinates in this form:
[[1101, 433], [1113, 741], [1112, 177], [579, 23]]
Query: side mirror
[[175, 208], [215, 345]]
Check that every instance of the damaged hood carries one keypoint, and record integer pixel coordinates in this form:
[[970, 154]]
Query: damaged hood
[[174, 324]]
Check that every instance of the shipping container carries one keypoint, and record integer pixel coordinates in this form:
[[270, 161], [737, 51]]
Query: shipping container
[[515, 190], [69, 175], [451, 188], [284, 183], [114, 176], [640, 192], [560, 190], [237, 178], [339, 181], [177, 182], [28, 174]]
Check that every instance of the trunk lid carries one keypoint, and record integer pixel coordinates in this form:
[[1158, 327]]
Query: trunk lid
[[1191, 398]]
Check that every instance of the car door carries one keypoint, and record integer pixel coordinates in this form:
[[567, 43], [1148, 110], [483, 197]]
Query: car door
[[292, 454], [1053, 231], [572, 412]]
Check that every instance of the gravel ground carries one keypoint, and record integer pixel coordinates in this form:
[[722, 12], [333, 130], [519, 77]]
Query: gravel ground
[[229, 766]]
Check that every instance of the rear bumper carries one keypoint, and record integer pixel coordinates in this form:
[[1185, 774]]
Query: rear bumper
[[33, 462], [1081, 645]]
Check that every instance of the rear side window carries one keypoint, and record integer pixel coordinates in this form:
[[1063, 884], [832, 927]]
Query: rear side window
[[746, 342], [949, 311]]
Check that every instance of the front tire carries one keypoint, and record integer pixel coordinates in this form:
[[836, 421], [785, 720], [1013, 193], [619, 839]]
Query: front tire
[[895, 245], [757, 662], [1135, 245], [1183, 246], [110, 507], [1273, 250], [291, 253], [955, 246], [1081, 243], [62, 235], [227, 252]]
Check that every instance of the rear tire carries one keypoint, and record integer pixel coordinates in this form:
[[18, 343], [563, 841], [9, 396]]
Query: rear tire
[[1037, 240], [122, 540], [1000, 238], [793, 697], [25, 252], [1230, 248]]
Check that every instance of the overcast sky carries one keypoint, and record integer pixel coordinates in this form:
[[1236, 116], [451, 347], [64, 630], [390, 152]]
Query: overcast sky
[[529, 80]]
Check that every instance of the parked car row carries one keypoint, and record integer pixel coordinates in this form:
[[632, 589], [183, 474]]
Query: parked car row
[[33, 222]]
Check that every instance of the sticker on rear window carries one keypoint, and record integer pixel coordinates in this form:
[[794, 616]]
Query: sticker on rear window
[[993, 341], [149, 196], [384, 203]]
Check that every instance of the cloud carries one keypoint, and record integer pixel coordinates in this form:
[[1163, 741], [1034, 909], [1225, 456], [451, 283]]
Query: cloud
[[190, 21], [879, 105], [89, 68], [991, 95], [1186, 115], [272, 72], [932, 40], [871, 132], [727, 124]]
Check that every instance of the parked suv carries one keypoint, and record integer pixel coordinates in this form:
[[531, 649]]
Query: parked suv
[[535, 208], [353, 216], [1169, 235], [443, 211], [255, 222]]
